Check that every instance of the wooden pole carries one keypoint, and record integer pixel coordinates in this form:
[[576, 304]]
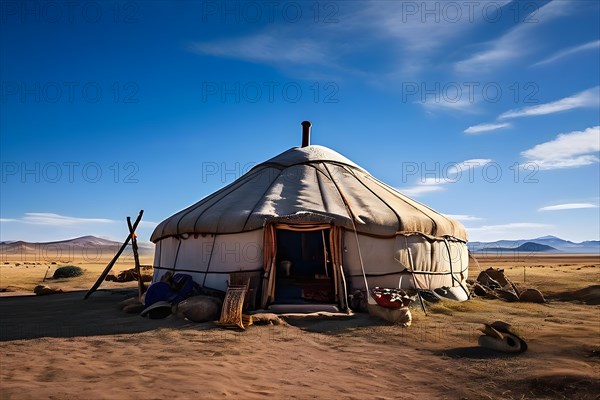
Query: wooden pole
[[114, 260], [412, 271], [136, 257]]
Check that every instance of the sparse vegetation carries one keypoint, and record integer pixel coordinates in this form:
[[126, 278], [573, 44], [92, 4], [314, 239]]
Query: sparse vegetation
[[68, 271], [450, 307]]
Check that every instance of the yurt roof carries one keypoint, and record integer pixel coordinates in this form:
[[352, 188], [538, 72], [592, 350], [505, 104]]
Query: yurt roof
[[310, 183]]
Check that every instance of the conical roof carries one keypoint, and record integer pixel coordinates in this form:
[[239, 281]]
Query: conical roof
[[312, 183]]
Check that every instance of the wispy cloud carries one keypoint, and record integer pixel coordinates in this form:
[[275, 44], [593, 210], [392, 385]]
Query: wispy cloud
[[498, 53], [481, 128], [452, 174], [431, 181], [513, 44], [441, 102], [420, 190], [148, 224], [509, 231], [573, 162], [568, 150], [58, 220], [468, 165], [568, 206], [267, 48], [44, 226], [463, 217], [509, 227], [587, 98], [410, 23], [594, 45], [401, 30]]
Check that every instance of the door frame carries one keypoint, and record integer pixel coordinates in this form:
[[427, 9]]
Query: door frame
[[270, 257]]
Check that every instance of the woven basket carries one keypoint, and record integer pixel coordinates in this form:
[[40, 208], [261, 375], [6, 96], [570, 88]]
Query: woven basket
[[231, 314]]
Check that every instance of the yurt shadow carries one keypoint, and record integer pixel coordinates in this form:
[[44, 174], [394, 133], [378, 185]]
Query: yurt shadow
[[334, 325]]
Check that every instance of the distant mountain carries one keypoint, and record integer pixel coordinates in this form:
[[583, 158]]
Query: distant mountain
[[88, 241], [541, 244], [527, 247], [532, 246], [88, 247]]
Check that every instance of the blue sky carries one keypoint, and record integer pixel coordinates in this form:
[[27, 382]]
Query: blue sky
[[487, 111]]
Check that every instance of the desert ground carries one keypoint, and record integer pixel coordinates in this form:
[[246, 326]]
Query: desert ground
[[64, 347]]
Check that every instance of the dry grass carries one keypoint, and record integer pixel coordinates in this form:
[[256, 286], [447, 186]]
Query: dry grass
[[23, 276], [449, 307], [548, 273]]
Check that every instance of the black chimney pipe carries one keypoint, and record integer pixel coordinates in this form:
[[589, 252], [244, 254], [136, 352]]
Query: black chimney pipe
[[306, 133]]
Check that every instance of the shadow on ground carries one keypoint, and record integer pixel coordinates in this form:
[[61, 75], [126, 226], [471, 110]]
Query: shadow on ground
[[334, 324], [68, 315], [475, 353]]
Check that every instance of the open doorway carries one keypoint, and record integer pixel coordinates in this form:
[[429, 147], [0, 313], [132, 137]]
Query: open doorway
[[304, 267]]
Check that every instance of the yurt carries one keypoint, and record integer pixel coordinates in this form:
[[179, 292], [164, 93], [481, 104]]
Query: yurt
[[310, 226]]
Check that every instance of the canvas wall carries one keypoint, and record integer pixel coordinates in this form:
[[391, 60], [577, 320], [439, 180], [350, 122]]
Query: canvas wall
[[386, 261], [219, 254]]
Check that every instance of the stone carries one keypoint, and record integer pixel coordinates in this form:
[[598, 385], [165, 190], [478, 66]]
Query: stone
[[42, 290], [532, 296]]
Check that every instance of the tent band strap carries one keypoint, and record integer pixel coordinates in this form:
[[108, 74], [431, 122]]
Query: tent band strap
[[206, 272], [405, 272]]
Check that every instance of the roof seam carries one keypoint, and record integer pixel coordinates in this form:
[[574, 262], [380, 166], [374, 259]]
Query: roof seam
[[210, 197], [317, 172], [239, 182], [391, 190], [349, 210], [400, 224], [261, 197]]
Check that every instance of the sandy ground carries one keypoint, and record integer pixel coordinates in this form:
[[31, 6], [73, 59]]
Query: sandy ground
[[62, 347], [19, 275]]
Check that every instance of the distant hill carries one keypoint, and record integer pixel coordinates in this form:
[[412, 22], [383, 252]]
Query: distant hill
[[86, 247], [527, 247], [545, 244]]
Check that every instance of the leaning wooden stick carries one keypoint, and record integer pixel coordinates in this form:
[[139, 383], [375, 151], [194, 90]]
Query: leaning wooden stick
[[136, 258], [114, 260]]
